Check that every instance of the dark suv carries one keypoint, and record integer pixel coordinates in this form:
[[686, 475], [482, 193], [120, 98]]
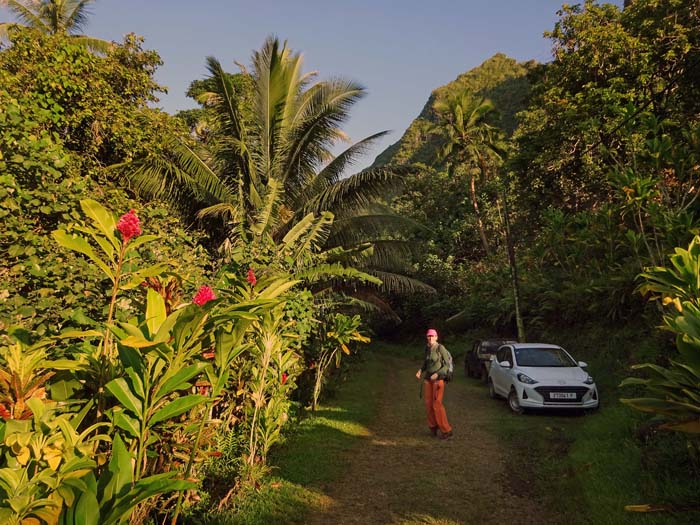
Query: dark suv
[[478, 359]]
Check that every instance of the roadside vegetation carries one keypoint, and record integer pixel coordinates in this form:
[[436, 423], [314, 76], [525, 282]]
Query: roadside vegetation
[[181, 295], [591, 466]]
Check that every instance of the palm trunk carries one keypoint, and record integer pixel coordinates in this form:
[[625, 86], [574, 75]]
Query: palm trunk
[[513, 270], [477, 213]]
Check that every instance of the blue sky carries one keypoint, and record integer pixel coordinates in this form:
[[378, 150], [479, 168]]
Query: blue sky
[[399, 50]]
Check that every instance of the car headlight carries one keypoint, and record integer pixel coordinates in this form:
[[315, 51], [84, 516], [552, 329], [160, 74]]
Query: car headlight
[[589, 380], [526, 379]]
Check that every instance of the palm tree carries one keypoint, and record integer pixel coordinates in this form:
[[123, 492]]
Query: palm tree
[[52, 17], [470, 141], [268, 169]]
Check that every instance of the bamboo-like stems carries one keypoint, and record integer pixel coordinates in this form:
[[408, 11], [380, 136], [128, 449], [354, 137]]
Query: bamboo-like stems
[[190, 463], [106, 353]]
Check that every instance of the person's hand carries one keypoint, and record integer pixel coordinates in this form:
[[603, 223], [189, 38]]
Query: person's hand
[[433, 377], [418, 374]]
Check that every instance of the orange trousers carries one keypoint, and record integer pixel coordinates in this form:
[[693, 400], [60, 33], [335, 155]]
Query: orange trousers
[[433, 392]]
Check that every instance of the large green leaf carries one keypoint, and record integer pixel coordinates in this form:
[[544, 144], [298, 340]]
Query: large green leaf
[[80, 245], [64, 389], [126, 422], [136, 383], [163, 334], [84, 511], [86, 508], [177, 407], [138, 342], [142, 490], [107, 247], [118, 478], [75, 334], [155, 311], [102, 219], [136, 278], [131, 358], [277, 288], [179, 380], [140, 241], [121, 389], [10, 480]]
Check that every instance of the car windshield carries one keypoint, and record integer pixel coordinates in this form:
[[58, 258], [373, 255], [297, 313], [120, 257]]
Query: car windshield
[[543, 357]]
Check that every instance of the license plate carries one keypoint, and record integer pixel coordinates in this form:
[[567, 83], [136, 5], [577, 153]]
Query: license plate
[[562, 395]]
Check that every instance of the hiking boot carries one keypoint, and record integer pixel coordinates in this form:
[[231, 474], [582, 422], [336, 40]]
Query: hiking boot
[[434, 431], [446, 435]]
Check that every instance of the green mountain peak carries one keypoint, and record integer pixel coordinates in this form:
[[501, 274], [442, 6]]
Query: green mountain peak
[[500, 78]]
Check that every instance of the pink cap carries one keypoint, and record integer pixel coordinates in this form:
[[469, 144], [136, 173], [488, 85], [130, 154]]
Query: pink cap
[[431, 331]]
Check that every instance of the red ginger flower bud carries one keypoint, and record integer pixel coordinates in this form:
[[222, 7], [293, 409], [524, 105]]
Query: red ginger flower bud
[[251, 277], [128, 226], [203, 296], [284, 377]]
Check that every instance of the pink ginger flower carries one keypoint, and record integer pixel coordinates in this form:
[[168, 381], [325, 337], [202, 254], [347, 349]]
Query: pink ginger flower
[[203, 296], [128, 225], [251, 277]]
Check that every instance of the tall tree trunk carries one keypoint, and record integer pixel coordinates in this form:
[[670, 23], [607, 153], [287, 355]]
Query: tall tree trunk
[[513, 269], [479, 222]]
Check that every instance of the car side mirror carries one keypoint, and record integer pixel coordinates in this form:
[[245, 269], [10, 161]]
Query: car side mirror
[[505, 364], [582, 364]]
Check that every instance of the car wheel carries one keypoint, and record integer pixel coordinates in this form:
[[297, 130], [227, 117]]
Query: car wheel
[[492, 390], [514, 402]]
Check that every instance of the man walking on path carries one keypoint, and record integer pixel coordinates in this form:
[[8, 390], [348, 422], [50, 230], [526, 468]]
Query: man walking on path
[[433, 372]]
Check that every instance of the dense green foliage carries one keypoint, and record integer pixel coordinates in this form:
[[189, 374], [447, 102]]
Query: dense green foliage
[[601, 181], [65, 113], [106, 367], [144, 374], [600, 176], [260, 172]]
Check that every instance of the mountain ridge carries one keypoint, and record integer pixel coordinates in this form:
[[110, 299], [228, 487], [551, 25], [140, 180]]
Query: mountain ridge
[[499, 78]]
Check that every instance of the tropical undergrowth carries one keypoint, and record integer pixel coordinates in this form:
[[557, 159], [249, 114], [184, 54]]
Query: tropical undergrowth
[[314, 453]]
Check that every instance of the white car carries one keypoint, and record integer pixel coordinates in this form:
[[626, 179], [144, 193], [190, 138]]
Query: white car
[[536, 375]]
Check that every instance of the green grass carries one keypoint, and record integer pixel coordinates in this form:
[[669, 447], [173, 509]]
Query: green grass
[[337, 424], [302, 465]]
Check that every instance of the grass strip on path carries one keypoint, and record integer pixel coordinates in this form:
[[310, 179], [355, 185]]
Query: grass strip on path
[[317, 453]]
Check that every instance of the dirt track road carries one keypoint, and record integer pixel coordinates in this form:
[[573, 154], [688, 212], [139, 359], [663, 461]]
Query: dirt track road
[[401, 475]]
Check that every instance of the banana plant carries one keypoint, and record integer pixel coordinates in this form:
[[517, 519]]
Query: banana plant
[[673, 392]]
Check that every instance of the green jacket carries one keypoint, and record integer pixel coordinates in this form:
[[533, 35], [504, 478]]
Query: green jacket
[[436, 360]]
